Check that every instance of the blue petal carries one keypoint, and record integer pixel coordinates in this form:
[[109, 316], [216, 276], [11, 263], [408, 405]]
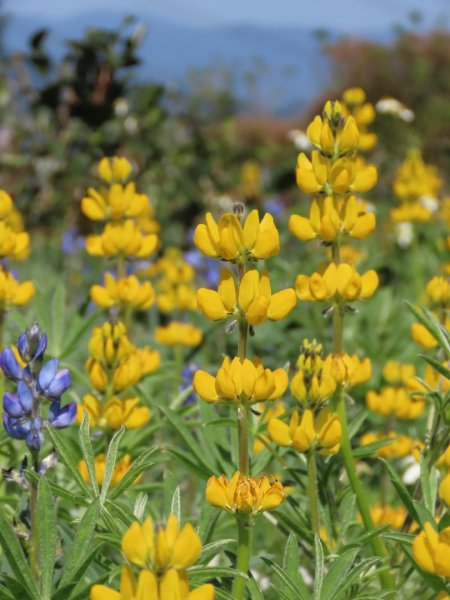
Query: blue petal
[[11, 405], [25, 396], [34, 439], [9, 364], [62, 417], [59, 385], [16, 428], [47, 374]]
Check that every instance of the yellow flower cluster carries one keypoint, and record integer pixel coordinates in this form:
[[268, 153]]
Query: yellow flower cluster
[[163, 555], [251, 179], [322, 432], [395, 399], [121, 468], [251, 300], [401, 445], [431, 550], [437, 295], [14, 245], [244, 494], [313, 383], [128, 290], [417, 186], [179, 334], [242, 382], [383, 514]]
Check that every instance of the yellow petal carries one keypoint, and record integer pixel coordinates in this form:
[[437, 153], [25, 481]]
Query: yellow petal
[[211, 305], [301, 227], [205, 386], [279, 432], [281, 304], [369, 283]]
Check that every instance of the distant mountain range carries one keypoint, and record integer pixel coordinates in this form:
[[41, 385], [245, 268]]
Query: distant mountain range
[[276, 68]]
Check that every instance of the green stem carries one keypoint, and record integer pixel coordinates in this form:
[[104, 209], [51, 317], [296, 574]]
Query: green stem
[[313, 492], [34, 547], [244, 523], [243, 435]]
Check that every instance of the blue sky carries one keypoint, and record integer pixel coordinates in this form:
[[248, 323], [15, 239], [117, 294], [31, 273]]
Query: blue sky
[[341, 14]]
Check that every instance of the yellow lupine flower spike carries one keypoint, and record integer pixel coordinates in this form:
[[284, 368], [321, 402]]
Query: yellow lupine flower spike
[[431, 550], [123, 465], [176, 333], [338, 282], [244, 494], [229, 240], [114, 413], [244, 382], [254, 301], [323, 431], [344, 140], [348, 370], [14, 245]]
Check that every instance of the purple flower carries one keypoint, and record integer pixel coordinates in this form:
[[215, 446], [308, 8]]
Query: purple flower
[[10, 365], [16, 428], [61, 417], [18, 405], [51, 382], [187, 375], [35, 437], [32, 344]]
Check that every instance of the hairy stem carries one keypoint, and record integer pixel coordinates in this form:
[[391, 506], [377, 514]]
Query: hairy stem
[[313, 492], [244, 523]]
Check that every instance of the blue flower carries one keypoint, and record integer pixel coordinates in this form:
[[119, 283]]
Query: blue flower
[[61, 417], [18, 405], [32, 343], [51, 382], [16, 428], [10, 365]]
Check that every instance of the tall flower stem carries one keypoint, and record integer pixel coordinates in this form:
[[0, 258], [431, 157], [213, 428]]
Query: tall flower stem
[[313, 492], [34, 546], [377, 544], [244, 520]]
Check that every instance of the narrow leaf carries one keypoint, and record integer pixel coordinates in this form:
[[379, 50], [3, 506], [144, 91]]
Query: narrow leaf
[[110, 462], [88, 451], [47, 536]]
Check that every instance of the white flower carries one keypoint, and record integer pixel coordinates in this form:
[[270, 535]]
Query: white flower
[[300, 139], [391, 106], [430, 203], [404, 233]]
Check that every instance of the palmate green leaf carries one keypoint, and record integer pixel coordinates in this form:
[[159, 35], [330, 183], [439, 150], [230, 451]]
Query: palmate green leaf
[[88, 452], [187, 437], [141, 464], [81, 543], [47, 535], [318, 568], [16, 559], [110, 462], [68, 458], [337, 574], [401, 489]]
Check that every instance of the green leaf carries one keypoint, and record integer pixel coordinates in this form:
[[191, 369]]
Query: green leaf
[[287, 582], [427, 319], [401, 489], [370, 449], [175, 508], [58, 310], [81, 325], [47, 536], [16, 558], [337, 574], [110, 462], [81, 543], [67, 457], [209, 551], [291, 564], [319, 567], [139, 506], [88, 451], [188, 439], [428, 481], [139, 465], [179, 455], [253, 590], [437, 365]]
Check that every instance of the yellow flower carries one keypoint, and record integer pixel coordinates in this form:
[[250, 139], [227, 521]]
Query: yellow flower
[[354, 96], [415, 179], [109, 343], [423, 337], [339, 283], [114, 413], [6, 205], [166, 548], [444, 489], [274, 410], [251, 179], [229, 240], [254, 302], [148, 359], [176, 333], [395, 401], [170, 586], [348, 370], [13, 245], [123, 465], [344, 176], [313, 383], [244, 494], [114, 170], [323, 431], [383, 514], [344, 140], [438, 292], [128, 290], [329, 218], [401, 445], [397, 373], [363, 113], [244, 382], [114, 203], [175, 296], [123, 238], [13, 292], [431, 550]]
